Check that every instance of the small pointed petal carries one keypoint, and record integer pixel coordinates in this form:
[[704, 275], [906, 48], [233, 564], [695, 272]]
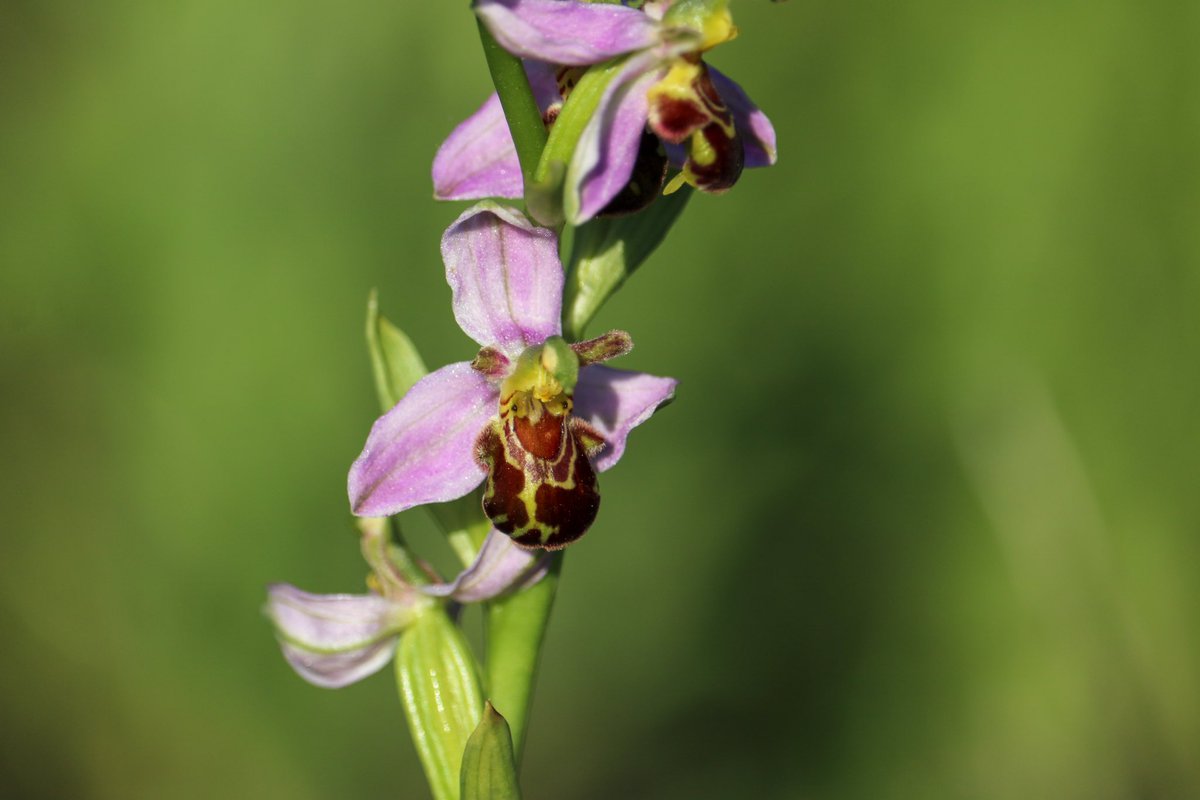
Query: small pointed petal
[[500, 567], [755, 130], [615, 402], [492, 363], [608, 147], [478, 159], [506, 278], [602, 348], [336, 639], [422, 450], [566, 31]]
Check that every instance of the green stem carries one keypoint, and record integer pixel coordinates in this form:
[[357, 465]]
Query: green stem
[[516, 627], [516, 97]]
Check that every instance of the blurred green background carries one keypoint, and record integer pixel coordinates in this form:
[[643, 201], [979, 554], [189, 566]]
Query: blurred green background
[[922, 523]]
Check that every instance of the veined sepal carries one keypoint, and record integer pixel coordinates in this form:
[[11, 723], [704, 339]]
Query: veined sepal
[[332, 641]]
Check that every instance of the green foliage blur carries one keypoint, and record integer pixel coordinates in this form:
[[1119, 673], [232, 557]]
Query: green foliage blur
[[922, 522]]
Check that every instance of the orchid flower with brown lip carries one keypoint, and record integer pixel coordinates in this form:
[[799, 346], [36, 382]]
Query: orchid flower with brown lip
[[532, 416], [656, 87]]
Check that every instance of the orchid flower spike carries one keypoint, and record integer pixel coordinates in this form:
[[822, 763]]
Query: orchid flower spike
[[532, 415], [332, 640], [650, 84]]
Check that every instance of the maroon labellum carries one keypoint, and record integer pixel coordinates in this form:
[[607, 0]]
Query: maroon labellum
[[541, 488]]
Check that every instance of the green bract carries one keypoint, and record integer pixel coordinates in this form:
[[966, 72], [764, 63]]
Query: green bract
[[394, 358], [489, 771]]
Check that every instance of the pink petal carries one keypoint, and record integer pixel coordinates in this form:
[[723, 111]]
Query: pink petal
[[335, 670], [543, 81], [506, 278], [329, 621], [756, 131], [565, 31], [500, 567], [336, 639], [478, 159], [422, 450], [615, 402], [608, 147]]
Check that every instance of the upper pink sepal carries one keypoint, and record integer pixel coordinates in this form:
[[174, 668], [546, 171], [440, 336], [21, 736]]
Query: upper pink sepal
[[478, 158], [506, 278], [565, 31]]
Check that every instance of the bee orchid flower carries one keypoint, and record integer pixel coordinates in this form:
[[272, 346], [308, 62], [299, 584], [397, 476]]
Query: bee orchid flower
[[333, 640], [532, 416], [658, 88]]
